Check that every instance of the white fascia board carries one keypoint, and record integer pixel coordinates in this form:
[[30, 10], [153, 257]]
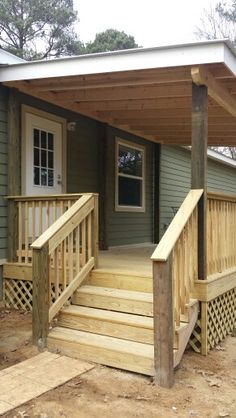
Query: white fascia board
[[229, 57], [137, 59], [221, 158], [217, 156]]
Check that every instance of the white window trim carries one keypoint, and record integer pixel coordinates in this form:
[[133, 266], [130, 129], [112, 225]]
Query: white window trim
[[41, 113], [119, 208]]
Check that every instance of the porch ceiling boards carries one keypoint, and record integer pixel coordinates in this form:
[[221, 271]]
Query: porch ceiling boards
[[152, 103]]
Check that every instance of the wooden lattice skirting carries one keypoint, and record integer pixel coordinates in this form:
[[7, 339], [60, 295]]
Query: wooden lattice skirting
[[217, 319], [18, 294]]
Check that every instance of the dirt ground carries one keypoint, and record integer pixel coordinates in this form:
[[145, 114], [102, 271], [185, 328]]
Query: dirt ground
[[204, 387]]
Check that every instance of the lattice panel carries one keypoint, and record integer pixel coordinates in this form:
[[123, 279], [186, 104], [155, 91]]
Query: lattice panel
[[18, 294], [195, 339], [221, 313]]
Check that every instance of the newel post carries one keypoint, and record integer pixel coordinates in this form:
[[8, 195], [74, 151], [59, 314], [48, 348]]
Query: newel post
[[199, 168], [41, 295], [163, 323]]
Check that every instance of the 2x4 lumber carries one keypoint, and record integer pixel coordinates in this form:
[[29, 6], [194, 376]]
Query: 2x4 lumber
[[40, 302], [125, 78], [168, 241], [199, 167], [203, 77], [163, 323], [124, 93]]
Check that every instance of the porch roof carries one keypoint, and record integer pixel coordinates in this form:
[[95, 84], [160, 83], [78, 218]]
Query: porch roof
[[144, 91]]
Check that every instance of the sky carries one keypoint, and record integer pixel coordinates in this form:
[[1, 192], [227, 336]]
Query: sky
[[151, 22]]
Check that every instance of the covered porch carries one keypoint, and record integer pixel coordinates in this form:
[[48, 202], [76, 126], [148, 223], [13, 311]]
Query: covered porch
[[174, 96]]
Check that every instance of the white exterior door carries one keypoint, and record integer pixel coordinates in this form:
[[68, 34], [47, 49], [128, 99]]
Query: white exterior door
[[42, 159]]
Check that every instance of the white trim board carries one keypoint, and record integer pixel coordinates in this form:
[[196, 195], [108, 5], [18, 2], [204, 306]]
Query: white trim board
[[210, 52]]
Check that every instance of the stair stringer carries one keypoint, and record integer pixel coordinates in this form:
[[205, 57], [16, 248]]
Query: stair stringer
[[186, 333]]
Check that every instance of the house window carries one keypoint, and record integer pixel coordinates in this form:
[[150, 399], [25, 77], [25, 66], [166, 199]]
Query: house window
[[129, 177], [43, 156]]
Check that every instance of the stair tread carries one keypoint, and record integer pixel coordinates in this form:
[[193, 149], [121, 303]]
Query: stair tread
[[102, 341], [116, 293], [111, 316]]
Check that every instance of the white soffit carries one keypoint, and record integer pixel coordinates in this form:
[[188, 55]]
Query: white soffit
[[208, 52]]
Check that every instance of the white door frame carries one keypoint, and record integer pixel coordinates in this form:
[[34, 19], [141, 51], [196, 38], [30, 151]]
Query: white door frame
[[40, 113]]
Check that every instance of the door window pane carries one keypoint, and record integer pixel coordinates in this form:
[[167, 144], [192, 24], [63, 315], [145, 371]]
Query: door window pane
[[43, 158]]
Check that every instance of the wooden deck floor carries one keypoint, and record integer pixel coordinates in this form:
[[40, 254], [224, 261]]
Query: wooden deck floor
[[135, 261]]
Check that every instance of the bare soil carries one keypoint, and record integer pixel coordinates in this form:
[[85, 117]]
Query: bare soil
[[204, 386]]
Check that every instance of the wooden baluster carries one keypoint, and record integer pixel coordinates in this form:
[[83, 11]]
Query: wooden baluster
[[47, 214], [54, 211], [33, 221], [89, 235], [77, 248], [40, 218], [26, 232], [70, 256], [83, 252], [56, 274], [188, 259], [95, 230], [20, 232]]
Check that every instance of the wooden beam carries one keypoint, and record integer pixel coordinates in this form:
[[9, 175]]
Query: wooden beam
[[199, 168], [163, 323], [203, 77], [14, 171]]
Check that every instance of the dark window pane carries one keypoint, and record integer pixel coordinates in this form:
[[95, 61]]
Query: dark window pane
[[36, 156], [50, 178], [130, 161], [50, 141], [36, 138], [130, 192], [36, 176], [43, 158], [50, 159], [43, 177], [43, 139]]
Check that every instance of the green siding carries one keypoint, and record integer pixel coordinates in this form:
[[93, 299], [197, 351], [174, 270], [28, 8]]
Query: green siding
[[175, 180], [3, 171], [129, 227]]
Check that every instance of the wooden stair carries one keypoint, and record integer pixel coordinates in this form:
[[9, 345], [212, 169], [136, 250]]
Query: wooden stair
[[113, 325]]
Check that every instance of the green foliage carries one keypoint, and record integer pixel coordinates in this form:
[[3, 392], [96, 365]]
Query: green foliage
[[218, 22], [34, 29], [110, 40]]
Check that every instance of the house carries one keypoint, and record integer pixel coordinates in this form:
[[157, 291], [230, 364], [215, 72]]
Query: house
[[97, 150]]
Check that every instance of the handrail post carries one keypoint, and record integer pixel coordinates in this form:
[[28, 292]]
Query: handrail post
[[40, 313], [95, 231], [13, 230], [163, 323]]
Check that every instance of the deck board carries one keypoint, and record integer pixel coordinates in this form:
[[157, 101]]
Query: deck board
[[126, 260]]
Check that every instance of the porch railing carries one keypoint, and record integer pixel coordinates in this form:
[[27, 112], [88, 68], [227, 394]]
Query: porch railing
[[63, 255], [221, 232], [175, 267], [30, 217]]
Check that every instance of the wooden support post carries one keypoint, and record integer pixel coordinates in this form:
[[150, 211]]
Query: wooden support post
[[156, 192], [95, 230], [103, 188], [14, 172], [204, 322], [199, 168], [163, 323], [41, 295]]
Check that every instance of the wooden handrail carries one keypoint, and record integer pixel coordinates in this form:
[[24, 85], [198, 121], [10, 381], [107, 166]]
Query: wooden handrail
[[221, 196], [51, 197], [66, 251], [168, 241], [65, 223]]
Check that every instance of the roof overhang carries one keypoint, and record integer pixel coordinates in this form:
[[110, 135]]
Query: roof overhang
[[147, 92]]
